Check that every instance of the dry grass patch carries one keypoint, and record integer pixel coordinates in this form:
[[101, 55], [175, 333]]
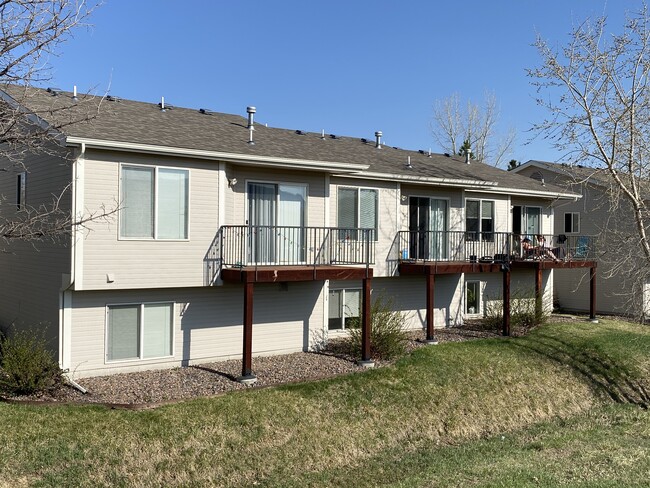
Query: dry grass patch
[[441, 395]]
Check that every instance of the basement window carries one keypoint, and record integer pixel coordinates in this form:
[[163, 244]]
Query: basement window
[[139, 331], [344, 306], [472, 297]]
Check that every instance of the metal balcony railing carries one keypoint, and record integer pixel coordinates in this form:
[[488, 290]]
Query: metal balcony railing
[[560, 247], [488, 247], [244, 245], [466, 246]]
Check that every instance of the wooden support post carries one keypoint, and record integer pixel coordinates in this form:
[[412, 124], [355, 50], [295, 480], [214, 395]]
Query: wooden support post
[[592, 294], [506, 301], [366, 324], [430, 301], [247, 376], [538, 291]]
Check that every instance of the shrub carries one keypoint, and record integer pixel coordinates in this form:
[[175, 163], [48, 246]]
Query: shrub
[[388, 337], [525, 312], [26, 365]]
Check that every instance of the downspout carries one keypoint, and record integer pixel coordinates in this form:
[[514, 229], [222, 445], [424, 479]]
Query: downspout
[[64, 328]]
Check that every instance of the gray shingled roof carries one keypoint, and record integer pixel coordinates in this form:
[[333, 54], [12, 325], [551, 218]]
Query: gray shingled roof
[[578, 173], [144, 123]]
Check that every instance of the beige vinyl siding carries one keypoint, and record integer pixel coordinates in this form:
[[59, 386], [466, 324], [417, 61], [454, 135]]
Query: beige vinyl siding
[[571, 287], [147, 263], [454, 197], [207, 324], [407, 294], [502, 216], [34, 273], [522, 286], [315, 183], [387, 216], [548, 216]]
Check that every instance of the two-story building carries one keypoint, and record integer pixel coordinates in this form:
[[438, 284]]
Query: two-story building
[[232, 239], [609, 219]]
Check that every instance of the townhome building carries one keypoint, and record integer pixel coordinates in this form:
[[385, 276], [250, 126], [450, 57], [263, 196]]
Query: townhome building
[[222, 238], [595, 218]]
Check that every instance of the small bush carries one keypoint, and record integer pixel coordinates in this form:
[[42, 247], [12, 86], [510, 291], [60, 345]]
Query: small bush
[[26, 365], [524, 312], [388, 337]]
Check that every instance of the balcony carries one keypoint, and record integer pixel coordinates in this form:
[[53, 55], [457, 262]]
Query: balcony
[[492, 248], [243, 247]]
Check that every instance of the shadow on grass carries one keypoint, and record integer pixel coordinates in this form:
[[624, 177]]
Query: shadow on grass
[[604, 373]]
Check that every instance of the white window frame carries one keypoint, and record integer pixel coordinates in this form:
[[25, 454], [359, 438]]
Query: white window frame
[[343, 291], [21, 184], [575, 218], [277, 183], [479, 298], [155, 203], [358, 210], [140, 357], [524, 223], [480, 219]]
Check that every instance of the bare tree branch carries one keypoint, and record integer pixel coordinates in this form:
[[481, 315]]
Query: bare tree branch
[[31, 31], [597, 92], [454, 125]]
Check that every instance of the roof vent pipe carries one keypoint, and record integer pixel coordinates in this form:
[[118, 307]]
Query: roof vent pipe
[[250, 111], [74, 93], [162, 104], [468, 155], [378, 135]]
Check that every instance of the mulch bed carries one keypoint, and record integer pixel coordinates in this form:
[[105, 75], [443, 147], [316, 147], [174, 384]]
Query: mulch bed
[[148, 389]]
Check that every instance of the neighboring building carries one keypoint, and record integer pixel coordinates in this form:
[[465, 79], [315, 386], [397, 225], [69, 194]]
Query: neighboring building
[[236, 239], [592, 217]]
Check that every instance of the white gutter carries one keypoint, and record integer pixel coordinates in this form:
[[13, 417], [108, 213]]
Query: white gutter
[[429, 180], [474, 185], [268, 161], [536, 193]]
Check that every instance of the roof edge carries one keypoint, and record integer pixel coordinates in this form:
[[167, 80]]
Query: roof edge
[[216, 155], [426, 179]]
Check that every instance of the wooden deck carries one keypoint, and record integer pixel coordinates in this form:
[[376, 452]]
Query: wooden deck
[[279, 274]]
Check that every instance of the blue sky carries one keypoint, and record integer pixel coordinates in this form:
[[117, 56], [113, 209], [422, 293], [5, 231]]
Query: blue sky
[[350, 67]]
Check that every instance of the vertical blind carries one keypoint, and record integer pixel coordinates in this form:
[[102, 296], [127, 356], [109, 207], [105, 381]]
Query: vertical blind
[[122, 335], [157, 330], [141, 188], [172, 203], [136, 215]]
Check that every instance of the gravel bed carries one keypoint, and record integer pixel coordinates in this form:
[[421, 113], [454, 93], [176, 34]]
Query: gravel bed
[[149, 388]]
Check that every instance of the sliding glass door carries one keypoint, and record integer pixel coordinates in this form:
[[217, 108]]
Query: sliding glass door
[[276, 218], [427, 226]]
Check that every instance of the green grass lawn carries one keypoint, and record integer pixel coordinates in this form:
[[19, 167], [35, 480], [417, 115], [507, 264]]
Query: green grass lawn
[[562, 406]]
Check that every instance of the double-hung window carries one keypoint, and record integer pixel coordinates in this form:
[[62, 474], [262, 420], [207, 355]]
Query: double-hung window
[[344, 306], [139, 331], [357, 209], [154, 202], [572, 222], [479, 220]]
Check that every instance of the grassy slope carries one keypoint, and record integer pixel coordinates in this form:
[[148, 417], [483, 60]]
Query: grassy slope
[[364, 427]]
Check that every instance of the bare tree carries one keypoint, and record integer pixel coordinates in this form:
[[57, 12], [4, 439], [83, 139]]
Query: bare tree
[[597, 92], [31, 31], [457, 126]]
